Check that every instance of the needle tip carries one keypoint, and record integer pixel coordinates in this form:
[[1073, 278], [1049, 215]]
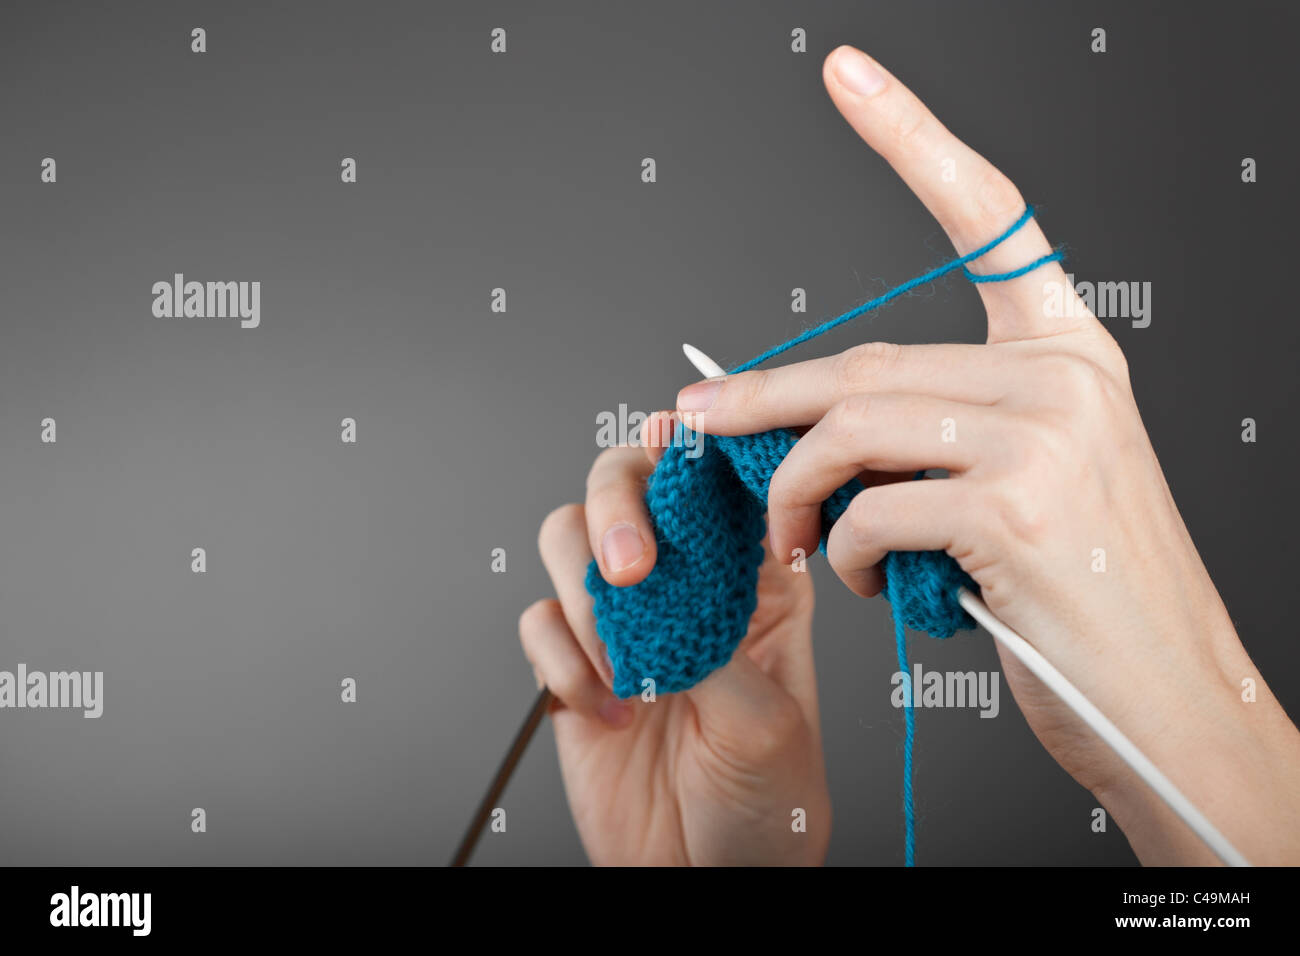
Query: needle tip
[[705, 365]]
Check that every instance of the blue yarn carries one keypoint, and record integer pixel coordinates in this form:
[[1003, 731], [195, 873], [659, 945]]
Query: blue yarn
[[1015, 273], [892, 586], [687, 617], [928, 277]]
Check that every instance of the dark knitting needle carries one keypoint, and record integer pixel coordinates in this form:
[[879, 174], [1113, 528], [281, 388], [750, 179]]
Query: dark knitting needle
[[498, 785]]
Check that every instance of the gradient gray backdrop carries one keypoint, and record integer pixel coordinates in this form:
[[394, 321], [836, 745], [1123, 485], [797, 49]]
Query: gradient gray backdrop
[[372, 561]]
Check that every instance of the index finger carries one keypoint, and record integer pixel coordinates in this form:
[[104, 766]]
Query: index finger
[[789, 396]]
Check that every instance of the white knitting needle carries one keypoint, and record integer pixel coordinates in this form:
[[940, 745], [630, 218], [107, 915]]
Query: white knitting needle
[[705, 365], [1070, 695]]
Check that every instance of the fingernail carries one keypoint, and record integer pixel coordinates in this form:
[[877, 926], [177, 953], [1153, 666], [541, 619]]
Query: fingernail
[[700, 396], [621, 547], [856, 72], [615, 712]]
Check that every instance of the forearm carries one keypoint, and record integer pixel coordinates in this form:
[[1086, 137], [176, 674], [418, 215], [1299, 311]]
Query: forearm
[[1236, 759]]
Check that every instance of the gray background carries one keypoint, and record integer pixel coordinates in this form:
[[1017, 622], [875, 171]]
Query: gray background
[[372, 561]]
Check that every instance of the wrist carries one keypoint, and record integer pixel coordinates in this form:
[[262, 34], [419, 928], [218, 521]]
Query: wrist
[[1235, 760]]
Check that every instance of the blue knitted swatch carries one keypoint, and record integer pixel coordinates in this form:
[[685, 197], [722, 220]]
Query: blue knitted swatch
[[687, 617]]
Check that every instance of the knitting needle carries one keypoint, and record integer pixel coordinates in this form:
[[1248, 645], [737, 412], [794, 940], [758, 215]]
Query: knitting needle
[[1071, 696], [498, 785], [706, 366]]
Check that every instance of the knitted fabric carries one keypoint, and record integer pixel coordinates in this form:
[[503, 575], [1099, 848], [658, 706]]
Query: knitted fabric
[[687, 617]]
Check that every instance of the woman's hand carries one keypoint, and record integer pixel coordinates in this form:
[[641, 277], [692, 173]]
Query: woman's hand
[[729, 772], [1055, 505]]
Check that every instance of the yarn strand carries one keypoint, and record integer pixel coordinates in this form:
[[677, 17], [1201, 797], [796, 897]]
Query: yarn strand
[[909, 728], [936, 273]]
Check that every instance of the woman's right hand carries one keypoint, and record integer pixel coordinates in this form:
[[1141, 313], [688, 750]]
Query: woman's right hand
[[1055, 504]]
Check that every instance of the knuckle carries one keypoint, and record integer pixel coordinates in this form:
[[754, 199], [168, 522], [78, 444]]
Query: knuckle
[[862, 366], [781, 493], [1082, 378], [984, 520], [566, 680], [747, 389], [602, 467], [861, 520], [615, 471], [1025, 504], [1048, 461], [1020, 512], [1118, 363], [1076, 380], [912, 131], [997, 198], [536, 618], [850, 412], [971, 532], [1110, 357], [560, 523], [651, 432]]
